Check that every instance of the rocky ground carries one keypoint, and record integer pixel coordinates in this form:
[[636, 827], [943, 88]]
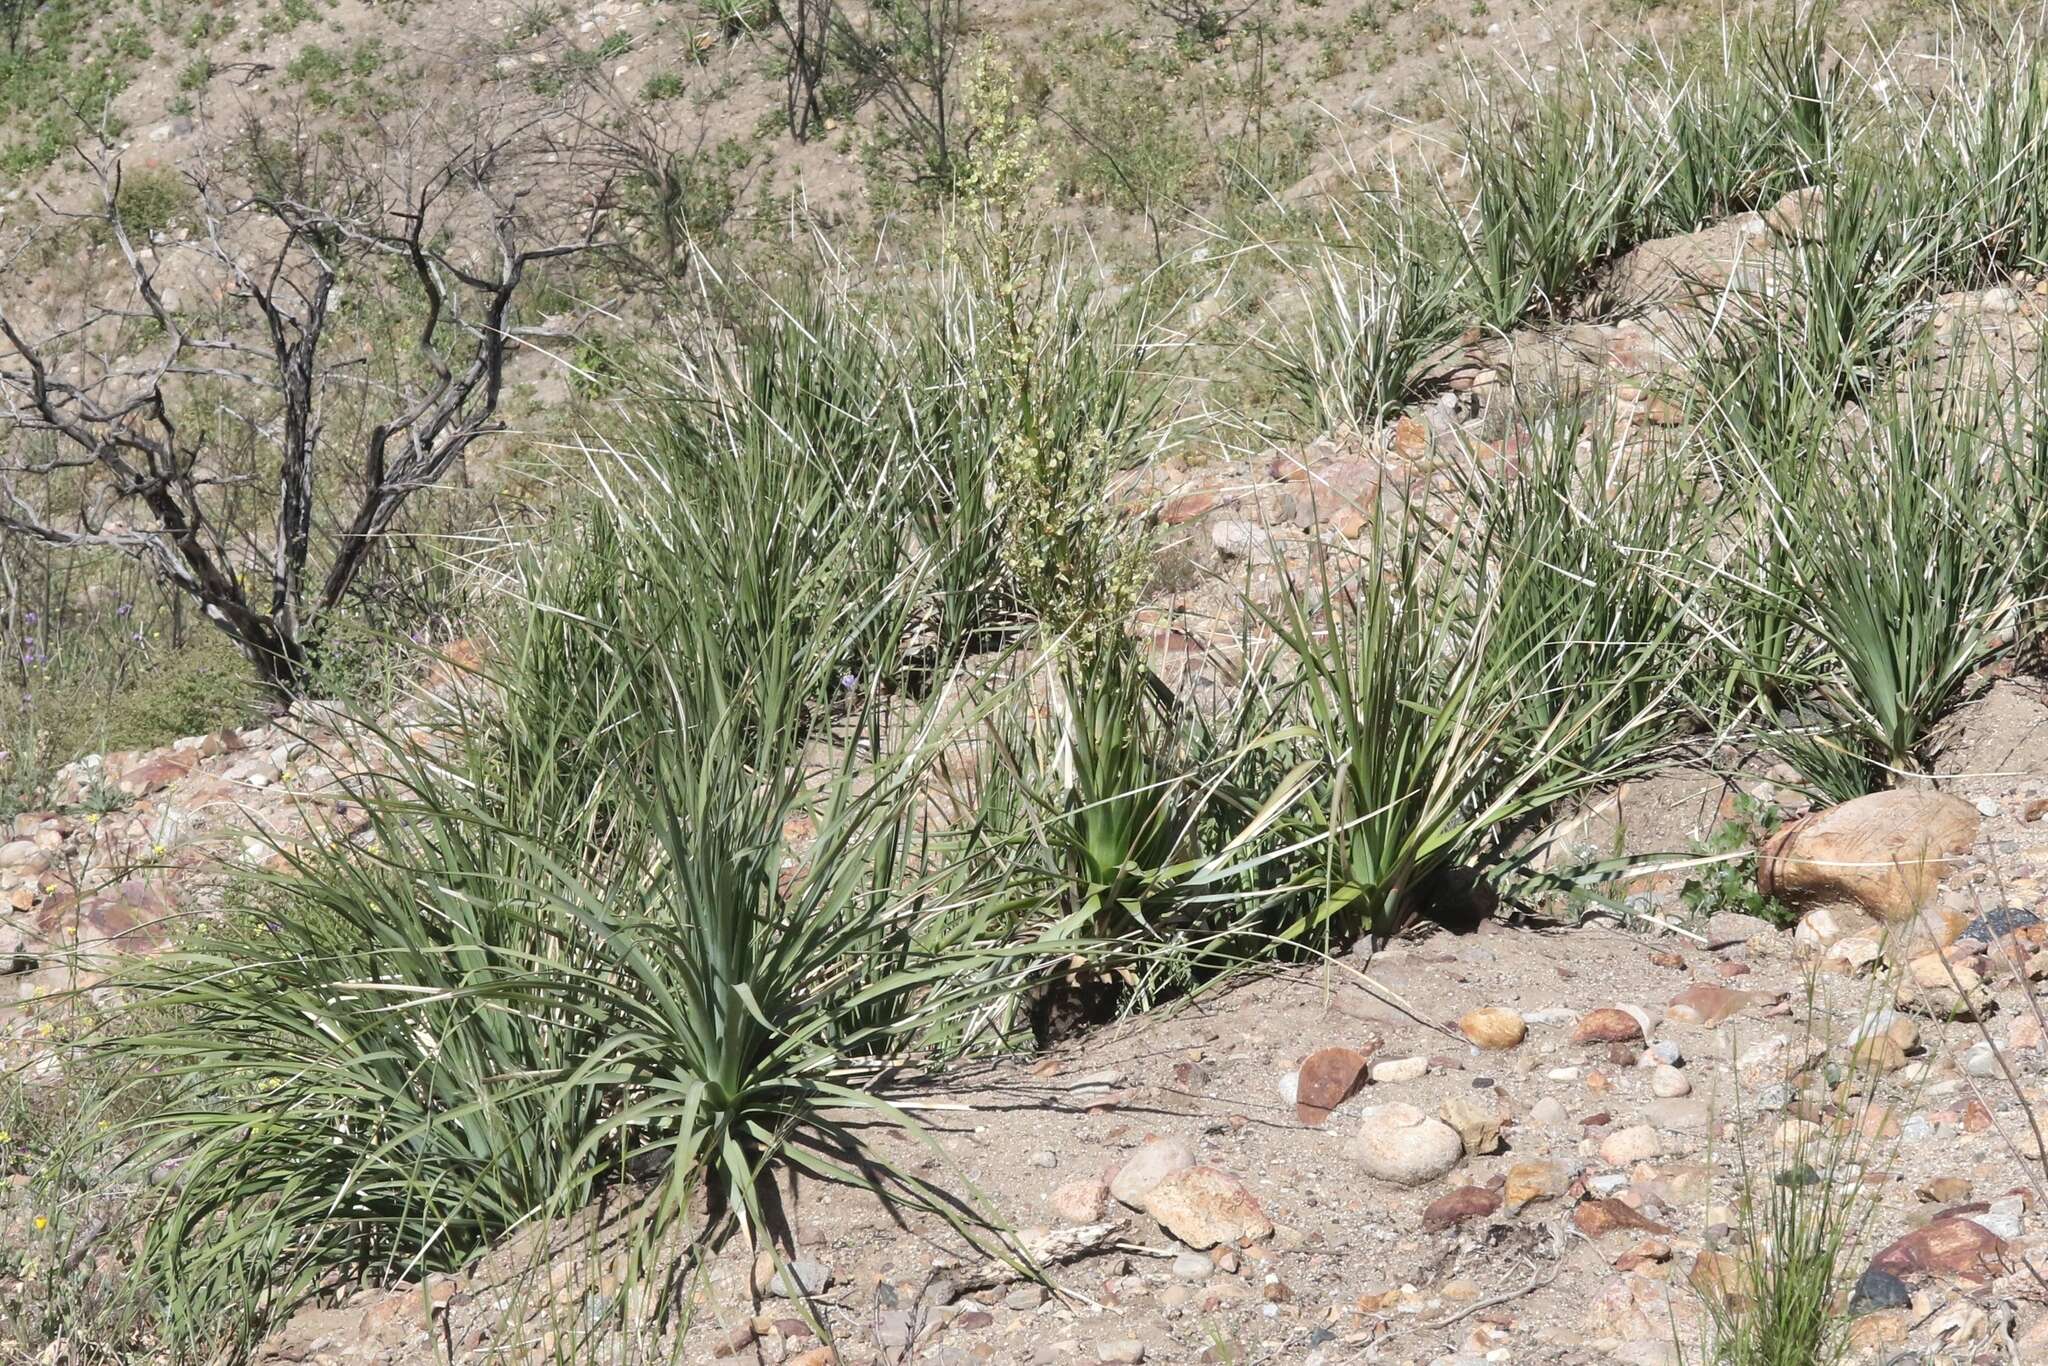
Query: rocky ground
[[1530, 1142], [1527, 1143]]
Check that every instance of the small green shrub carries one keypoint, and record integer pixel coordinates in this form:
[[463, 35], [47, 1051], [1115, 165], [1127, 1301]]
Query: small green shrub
[[1729, 882], [206, 686], [150, 202]]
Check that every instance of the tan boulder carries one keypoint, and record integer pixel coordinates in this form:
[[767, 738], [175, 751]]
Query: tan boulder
[[1882, 855]]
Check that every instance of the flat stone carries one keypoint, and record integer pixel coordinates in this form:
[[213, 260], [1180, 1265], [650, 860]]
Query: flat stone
[[1953, 1247], [1685, 1115], [1466, 1202], [1597, 1218], [1328, 1078], [1608, 1025], [1705, 1004], [1528, 1182], [810, 1277], [1204, 1206], [1152, 1163], [1626, 1147]]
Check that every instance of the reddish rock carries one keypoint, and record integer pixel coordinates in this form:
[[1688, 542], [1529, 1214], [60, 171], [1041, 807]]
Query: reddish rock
[[1597, 1218], [1328, 1078], [1466, 1202], [1707, 1005], [1960, 1249], [1187, 507], [1608, 1025], [154, 773], [1411, 438]]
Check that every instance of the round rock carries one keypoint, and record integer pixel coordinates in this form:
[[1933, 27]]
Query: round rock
[[1493, 1027], [1400, 1144]]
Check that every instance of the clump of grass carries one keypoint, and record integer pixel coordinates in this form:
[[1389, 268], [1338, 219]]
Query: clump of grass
[[570, 949], [1781, 1311], [1373, 333], [1753, 122], [1897, 561], [1554, 185], [1409, 672]]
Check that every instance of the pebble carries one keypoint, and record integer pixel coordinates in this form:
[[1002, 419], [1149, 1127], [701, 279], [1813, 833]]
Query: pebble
[[1400, 1069], [1046, 1159], [1192, 1266], [1025, 1297], [1669, 1082], [1878, 1290], [1664, 1051], [1122, 1349], [811, 1277], [1775, 1096], [1981, 1060], [1549, 1113]]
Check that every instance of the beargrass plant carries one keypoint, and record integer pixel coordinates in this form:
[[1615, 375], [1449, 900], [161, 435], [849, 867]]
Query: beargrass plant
[[1134, 825], [1850, 281], [1754, 120], [1408, 671], [1904, 577], [1375, 329], [1580, 567], [1554, 183], [658, 913], [1978, 157]]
